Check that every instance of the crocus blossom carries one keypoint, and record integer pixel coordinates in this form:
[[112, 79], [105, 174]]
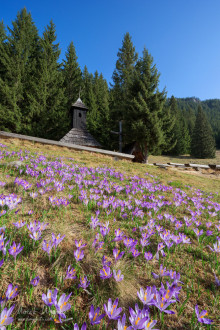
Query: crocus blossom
[[62, 305], [11, 292], [118, 276], [70, 273], [201, 316], [35, 281], [84, 283], [5, 318], [51, 297], [76, 327], [94, 316], [78, 254], [111, 310], [14, 250], [105, 272]]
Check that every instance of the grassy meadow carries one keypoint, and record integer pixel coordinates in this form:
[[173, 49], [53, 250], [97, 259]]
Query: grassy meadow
[[92, 229]]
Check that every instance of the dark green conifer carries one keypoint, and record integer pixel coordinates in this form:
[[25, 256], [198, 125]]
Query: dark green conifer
[[180, 130], [96, 97], [203, 143], [144, 117], [18, 61], [122, 78], [72, 75], [49, 104]]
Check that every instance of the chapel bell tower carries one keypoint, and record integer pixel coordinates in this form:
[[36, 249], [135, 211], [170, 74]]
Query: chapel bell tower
[[78, 114]]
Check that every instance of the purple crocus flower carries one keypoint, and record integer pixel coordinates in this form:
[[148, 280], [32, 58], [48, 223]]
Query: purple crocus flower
[[105, 261], [111, 310], [94, 222], [144, 242], [174, 276], [35, 281], [147, 296], [1, 262], [117, 254], [122, 322], [174, 288], [78, 254], [201, 316], [148, 256], [36, 235], [33, 194], [57, 239], [135, 252], [14, 250], [76, 327], [62, 305], [11, 292], [216, 246], [42, 225], [51, 297], [217, 281], [150, 324], [5, 318], [84, 283], [118, 276], [198, 232], [19, 224], [163, 272], [138, 317], [129, 242], [79, 244], [47, 247], [162, 303], [99, 246], [70, 273], [33, 226], [104, 230], [93, 315], [160, 249], [105, 272], [119, 235]]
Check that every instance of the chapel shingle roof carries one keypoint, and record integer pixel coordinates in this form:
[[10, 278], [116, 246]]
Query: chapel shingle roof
[[80, 137], [79, 104]]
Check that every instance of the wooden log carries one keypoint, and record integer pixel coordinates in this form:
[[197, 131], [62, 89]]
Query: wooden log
[[176, 164], [197, 166], [213, 166]]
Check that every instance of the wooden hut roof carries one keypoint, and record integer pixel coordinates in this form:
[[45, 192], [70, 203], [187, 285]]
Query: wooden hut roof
[[80, 137], [79, 104]]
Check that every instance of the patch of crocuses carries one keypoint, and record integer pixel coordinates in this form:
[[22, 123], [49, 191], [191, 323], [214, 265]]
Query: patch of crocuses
[[130, 220]]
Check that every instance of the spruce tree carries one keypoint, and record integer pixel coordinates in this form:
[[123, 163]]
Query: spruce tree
[[122, 78], [144, 118], [72, 75], [203, 143], [96, 97], [18, 62], [180, 130], [49, 103]]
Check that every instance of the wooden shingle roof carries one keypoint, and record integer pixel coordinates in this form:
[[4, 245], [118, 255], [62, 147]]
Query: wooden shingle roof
[[79, 104], [80, 137]]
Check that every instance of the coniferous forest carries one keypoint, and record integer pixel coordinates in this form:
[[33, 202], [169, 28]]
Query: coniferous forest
[[37, 90]]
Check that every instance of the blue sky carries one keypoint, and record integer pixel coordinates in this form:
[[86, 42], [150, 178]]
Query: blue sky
[[183, 36]]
